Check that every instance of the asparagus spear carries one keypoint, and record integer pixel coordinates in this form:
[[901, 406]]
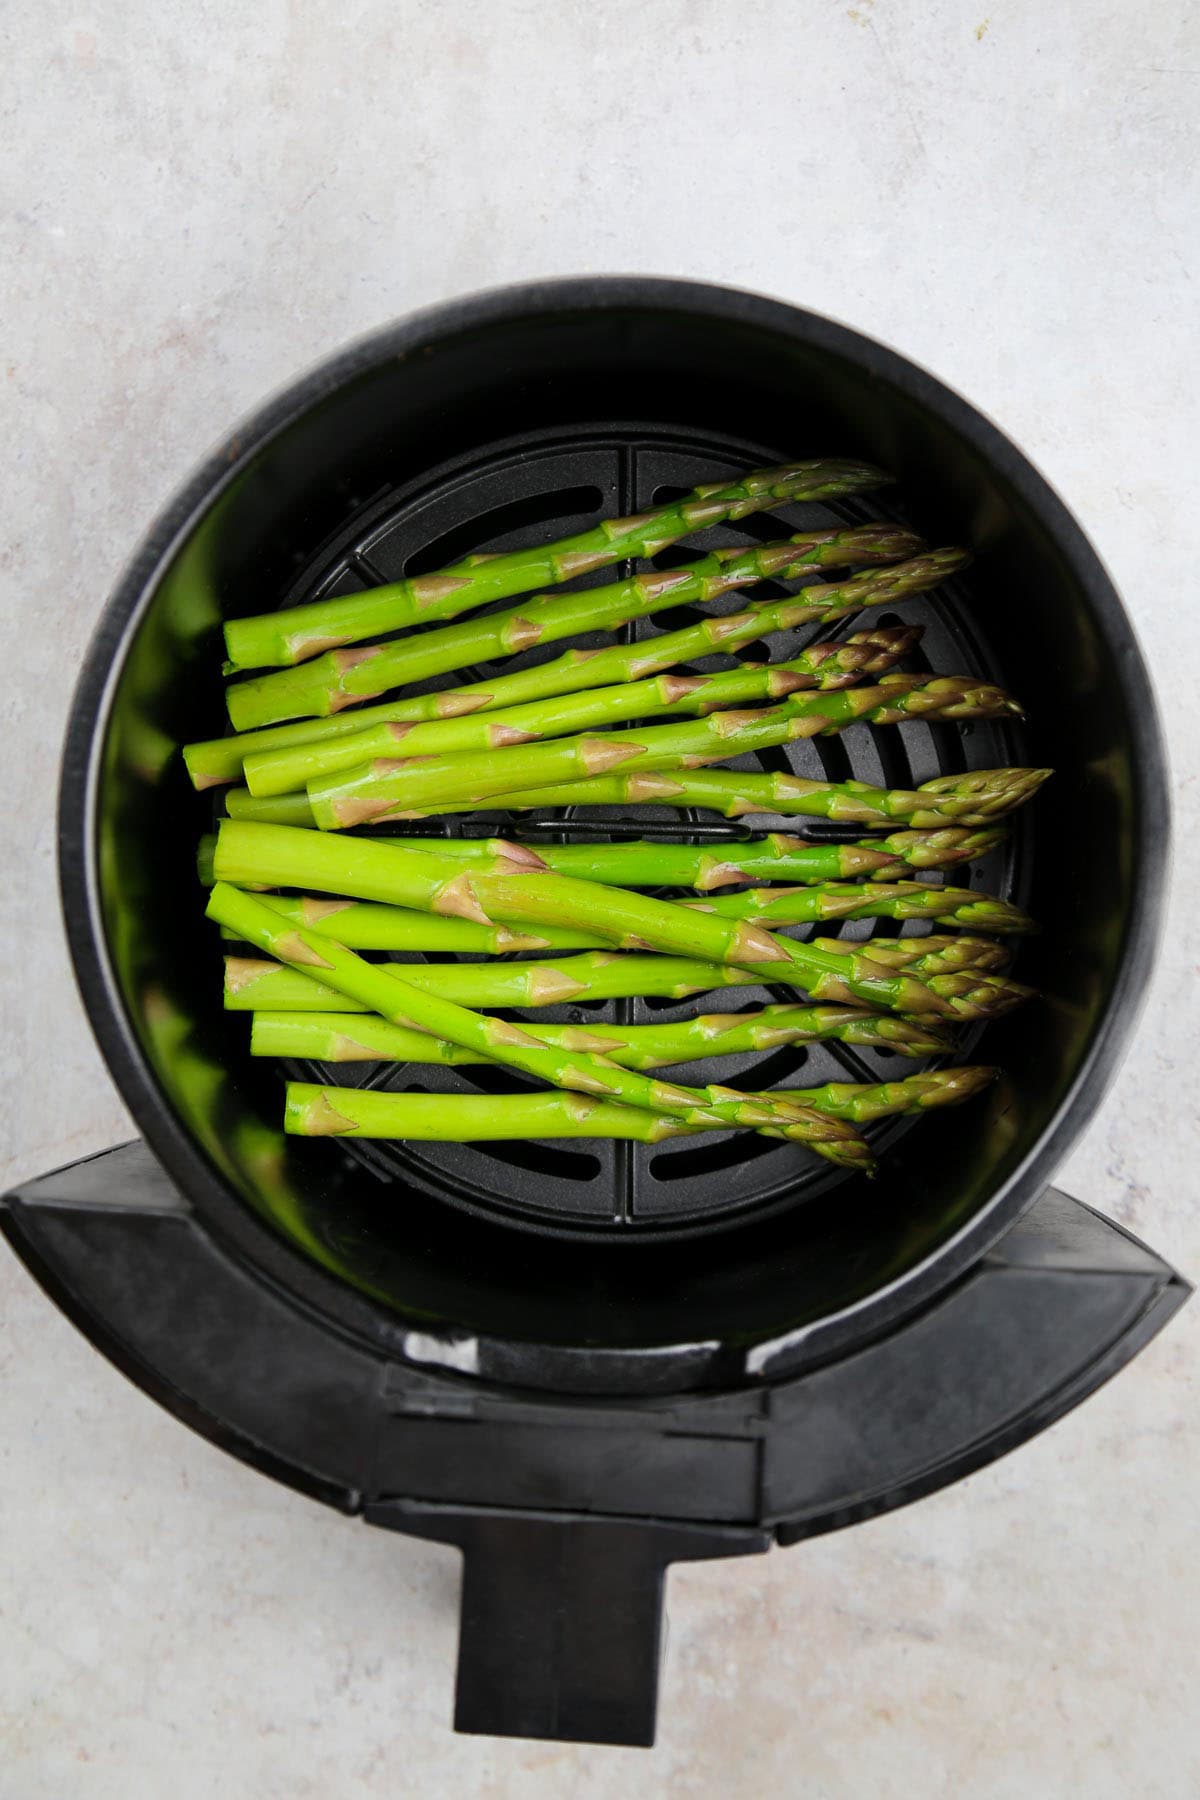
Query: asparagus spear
[[276, 809], [966, 800], [390, 787], [278, 856], [361, 926], [516, 1046], [252, 985], [256, 986], [311, 1111], [314, 1111], [364, 926], [976, 798], [776, 857], [299, 632], [830, 664], [283, 771], [342, 677], [357, 1037]]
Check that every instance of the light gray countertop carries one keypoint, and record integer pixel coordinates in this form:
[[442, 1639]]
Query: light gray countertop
[[197, 203]]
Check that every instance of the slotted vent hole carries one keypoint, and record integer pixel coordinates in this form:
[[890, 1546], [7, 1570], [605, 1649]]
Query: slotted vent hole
[[526, 515]]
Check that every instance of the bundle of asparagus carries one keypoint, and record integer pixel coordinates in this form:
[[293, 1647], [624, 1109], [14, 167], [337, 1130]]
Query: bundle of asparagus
[[579, 1072], [310, 900], [252, 986], [250, 855], [829, 664], [391, 786], [339, 679], [825, 666], [304, 631]]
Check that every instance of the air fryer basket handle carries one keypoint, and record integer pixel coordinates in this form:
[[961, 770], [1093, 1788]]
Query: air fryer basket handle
[[561, 1626], [560, 1632], [561, 1606]]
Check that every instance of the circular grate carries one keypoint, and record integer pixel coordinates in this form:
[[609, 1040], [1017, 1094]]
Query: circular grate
[[544, 488]]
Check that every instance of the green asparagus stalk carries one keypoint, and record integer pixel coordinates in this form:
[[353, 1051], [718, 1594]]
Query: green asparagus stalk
[[404, 1003], [284, 771], [253, 985], [276, 809], [361, 926], [391, 787], [961, 800], [278, 856], [358, 1037], [314, 1111], [777, 857], [976, 798], [341, 678], [311, 1111], [299, 632], [829, 664]]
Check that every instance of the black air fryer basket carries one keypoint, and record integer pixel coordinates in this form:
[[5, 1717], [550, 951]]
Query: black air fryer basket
[[582, 1362]]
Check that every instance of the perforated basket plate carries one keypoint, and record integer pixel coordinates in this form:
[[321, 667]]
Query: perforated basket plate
[[542, 488]]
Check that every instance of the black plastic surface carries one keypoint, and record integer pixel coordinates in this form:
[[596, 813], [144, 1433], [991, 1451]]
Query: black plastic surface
[[561, 1628], [569, 1511]]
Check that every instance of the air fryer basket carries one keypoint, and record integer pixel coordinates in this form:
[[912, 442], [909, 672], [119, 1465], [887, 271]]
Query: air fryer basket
[[531, 413], [545, 483]]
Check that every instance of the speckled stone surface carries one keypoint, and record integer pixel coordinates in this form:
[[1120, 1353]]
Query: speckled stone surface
[[196, 203]]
